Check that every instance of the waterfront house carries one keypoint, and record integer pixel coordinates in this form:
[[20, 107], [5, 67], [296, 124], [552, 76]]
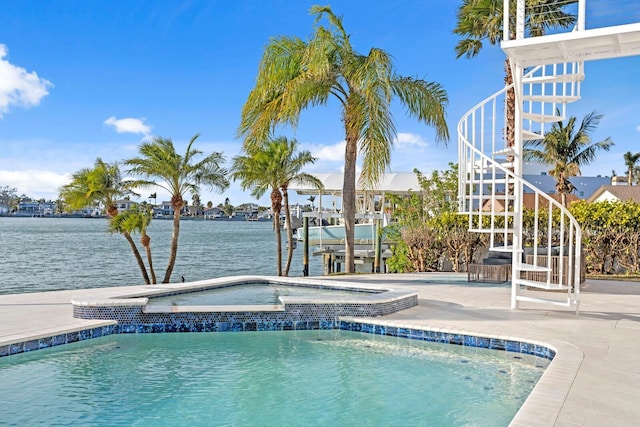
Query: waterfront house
[[615, 193], [213, 213]]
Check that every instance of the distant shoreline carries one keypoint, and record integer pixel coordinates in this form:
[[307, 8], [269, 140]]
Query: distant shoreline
[[164, 218]]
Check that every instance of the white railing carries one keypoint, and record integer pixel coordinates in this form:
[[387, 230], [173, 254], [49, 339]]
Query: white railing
[[545, 240], [591, 14]]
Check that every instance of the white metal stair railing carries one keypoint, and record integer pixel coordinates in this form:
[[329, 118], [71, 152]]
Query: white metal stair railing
[[546, 242]]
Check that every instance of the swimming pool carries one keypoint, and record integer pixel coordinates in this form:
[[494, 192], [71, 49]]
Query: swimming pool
[[323, 377]]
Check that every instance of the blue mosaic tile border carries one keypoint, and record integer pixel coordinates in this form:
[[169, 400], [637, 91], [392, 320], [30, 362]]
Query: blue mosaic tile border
[[449, 338], [408, 333], [65, 338], [71, 337], [296, 312]]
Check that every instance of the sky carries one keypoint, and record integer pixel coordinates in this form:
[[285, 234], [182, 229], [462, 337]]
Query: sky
[[86, 79]]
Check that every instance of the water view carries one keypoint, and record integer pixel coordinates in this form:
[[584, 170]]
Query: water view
[[45, 254]]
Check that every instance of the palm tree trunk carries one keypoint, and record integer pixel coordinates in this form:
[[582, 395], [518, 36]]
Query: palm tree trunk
[[510, 107], [276, 200], [136, 253], [174, 245], [149, 260], [276, 226], [287, 216], [349, 193]]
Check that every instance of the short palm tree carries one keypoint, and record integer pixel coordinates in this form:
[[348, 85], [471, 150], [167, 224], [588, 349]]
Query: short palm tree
[[104, 184], [163, 167], [567, 149], [296, 74], [101, 184], [273, 166], [136, 220], [630, 160], [481, 20]]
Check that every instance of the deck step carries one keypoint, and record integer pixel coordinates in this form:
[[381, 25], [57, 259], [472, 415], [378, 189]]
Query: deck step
[[542, 118], [507, 248], [535, 268], [551, 99], [561, 78], [490, 181], [507, 151], [542, 285], [527, 135], [493, 166], [563, 303], [488, 231]]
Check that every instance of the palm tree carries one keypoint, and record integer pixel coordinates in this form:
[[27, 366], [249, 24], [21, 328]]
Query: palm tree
[[630, 160], [567, 150], [177, 175], [481, 20], [294, 74], [104, 184], [131, 221], [273, 166]]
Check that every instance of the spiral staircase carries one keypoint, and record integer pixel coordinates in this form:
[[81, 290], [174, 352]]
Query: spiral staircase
[[544, 239]]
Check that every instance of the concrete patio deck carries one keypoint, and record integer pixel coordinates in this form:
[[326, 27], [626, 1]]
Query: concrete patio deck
[[593, 381]]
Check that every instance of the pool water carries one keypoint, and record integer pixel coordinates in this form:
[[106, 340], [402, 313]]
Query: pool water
[[293, 378], [249, 294]]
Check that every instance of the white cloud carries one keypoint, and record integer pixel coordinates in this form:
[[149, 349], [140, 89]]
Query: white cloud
[[410, 140], [19, 87], [638, 128], [129, 125], [332, 153], [35, 183]]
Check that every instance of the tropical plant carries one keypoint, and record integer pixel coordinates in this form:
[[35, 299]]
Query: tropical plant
[[567, 149], [296, 74], [273, 166], [482, 20], [228, 208], [429, 229], [611, 235], [630, 160], [136, 220], [103, 184], [163, 167]]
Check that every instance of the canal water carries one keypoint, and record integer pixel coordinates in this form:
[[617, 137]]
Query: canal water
[[44, 254]]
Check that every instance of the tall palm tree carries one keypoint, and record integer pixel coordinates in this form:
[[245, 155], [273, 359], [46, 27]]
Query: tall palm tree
[[630, 160], [567, 149], [274, 166], [481, 20], [177, 174], [295, 74], [104, 184]]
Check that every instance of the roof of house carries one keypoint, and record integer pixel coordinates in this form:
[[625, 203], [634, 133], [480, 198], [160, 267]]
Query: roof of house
[[397, 183], [585, 186], [529, 201], [622, 192]]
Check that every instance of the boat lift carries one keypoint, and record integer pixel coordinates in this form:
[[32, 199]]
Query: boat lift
[[370, 248]]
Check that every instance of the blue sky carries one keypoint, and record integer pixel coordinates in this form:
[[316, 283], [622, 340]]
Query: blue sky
[[86, 79]]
